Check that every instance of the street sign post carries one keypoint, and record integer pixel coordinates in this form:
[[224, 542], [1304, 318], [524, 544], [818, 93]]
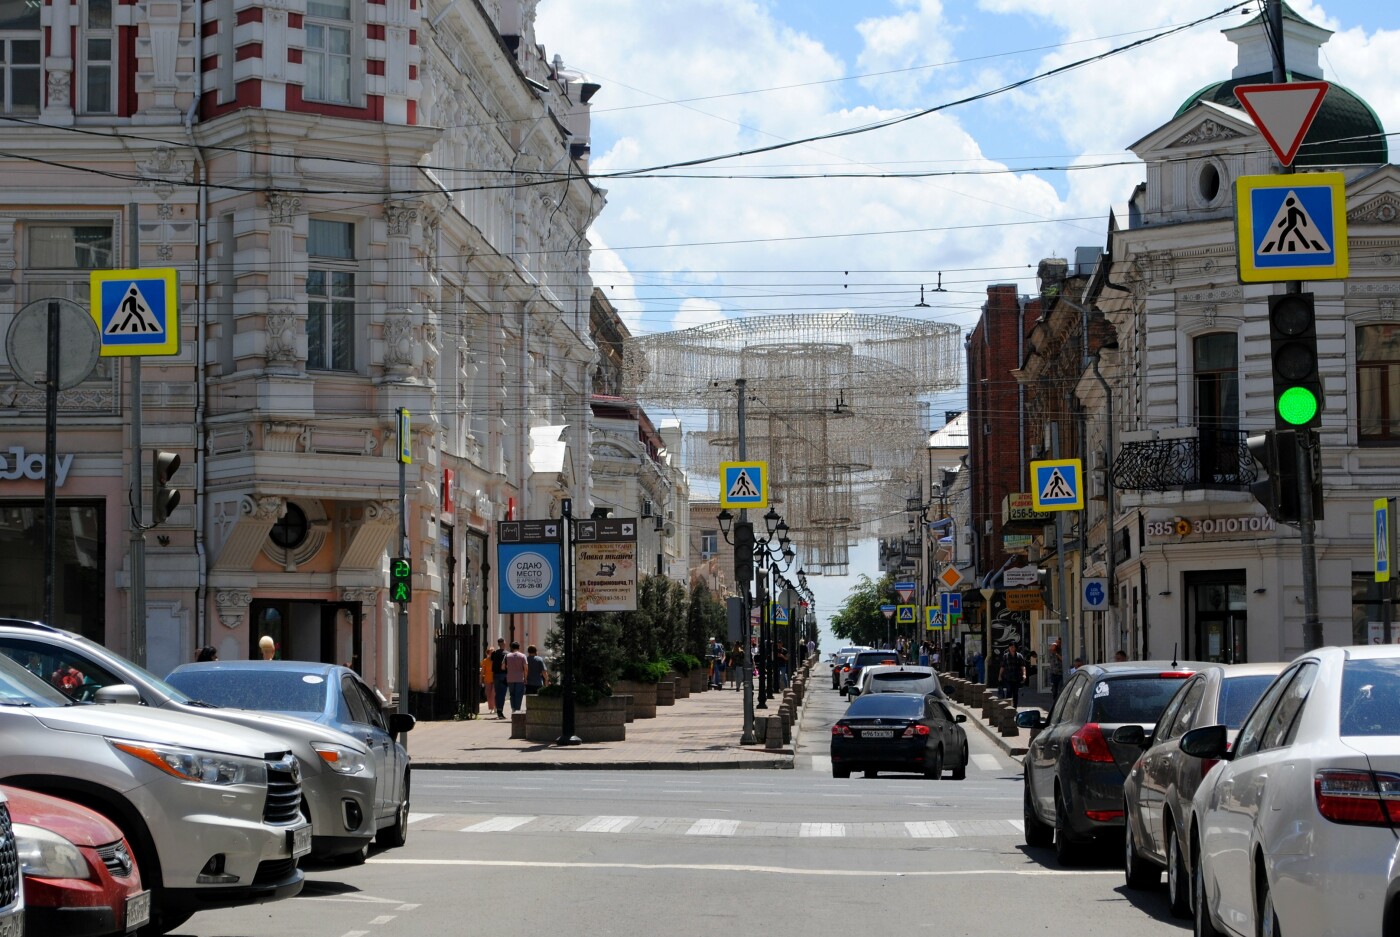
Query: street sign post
[[1283, 112], [743, 485], [1382, 539], [1096, 594], [1057, 485], [1291, 227], [528, 558], [904, 590]]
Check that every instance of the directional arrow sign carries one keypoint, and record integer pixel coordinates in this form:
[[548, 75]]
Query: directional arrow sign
[[1283, 113]]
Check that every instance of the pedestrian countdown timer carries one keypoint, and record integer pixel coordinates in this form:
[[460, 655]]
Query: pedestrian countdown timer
[[401, 580]]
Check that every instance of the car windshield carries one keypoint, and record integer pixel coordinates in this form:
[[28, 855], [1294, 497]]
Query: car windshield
[[1370, 701], [1238, 696], [898, 676], [868, 658], [1133, 699], [285, 691], [886, 704], [19, 687]]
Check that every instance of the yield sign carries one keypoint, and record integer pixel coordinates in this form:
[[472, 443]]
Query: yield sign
[[1283, 113]]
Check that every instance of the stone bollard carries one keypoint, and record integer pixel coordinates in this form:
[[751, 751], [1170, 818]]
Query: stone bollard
[[773, 732], [517, 725], [787, 726], [760, 727]]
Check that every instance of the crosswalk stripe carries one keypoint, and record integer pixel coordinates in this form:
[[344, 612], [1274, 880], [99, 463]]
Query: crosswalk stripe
[[930, 829], [986, 762], [822, 829], [821, 763], [1018, 824], [419, 817], [713, 828], [497, 825], [607, 824]]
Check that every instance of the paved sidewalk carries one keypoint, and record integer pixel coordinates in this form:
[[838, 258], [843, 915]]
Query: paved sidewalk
[[701, 731], [1014, 745]]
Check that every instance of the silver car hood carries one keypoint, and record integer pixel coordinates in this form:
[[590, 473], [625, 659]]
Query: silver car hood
[[143, 724], [291, 728]]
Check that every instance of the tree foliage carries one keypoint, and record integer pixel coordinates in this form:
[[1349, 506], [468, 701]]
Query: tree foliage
[[860, 620]]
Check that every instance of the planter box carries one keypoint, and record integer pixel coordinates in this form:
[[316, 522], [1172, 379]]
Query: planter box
[[682, 685], [666, 692], [699, 680], [603, 722], [643, 697]]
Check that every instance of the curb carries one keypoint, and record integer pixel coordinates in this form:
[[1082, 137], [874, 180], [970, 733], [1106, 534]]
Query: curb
[[1015, 751]]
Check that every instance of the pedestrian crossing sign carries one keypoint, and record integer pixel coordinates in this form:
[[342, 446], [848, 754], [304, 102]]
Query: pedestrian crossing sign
[[1057, 485], [904, 615], [780, 615], [1291, 227], [743, 484], [137, 311], [1382, 540]]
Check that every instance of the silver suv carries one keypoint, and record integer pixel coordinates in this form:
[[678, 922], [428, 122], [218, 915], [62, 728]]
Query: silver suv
[[11, 892], [211, 810], [339, 783]]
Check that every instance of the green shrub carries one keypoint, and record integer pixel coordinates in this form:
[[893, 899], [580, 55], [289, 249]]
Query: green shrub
[[684, 663], [645, 671]]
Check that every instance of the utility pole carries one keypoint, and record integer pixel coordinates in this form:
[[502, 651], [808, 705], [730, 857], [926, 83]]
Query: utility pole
[[746, 629]]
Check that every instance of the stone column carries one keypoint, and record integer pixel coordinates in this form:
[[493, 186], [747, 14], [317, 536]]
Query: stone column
[[58, 67], [402, 353], [286, 343]]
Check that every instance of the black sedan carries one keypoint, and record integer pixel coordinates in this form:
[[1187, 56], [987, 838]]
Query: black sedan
[[899, 732]]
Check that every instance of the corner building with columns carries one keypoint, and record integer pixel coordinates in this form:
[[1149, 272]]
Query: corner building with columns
[[371, 204]]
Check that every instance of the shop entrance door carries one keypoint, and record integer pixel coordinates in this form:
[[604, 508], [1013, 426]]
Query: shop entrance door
[[328, 632], [1219, 620]]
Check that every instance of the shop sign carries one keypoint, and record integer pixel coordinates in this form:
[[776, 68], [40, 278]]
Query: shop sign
[[1208, 528], [1020, 506], [1024, 600], [20, 464], [605, 575]]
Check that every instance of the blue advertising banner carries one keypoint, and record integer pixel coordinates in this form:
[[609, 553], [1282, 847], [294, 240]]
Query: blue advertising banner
[[529, 577]]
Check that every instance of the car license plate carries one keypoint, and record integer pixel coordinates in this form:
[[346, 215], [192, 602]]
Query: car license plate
[[138, 910], [877, 734], [12, 926], [300, 841]]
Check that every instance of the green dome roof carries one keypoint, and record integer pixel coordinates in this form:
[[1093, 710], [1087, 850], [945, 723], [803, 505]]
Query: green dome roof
[[1346, 132]]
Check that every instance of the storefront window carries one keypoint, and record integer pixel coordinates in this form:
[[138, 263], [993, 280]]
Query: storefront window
[[79, 594], [1366, 611]]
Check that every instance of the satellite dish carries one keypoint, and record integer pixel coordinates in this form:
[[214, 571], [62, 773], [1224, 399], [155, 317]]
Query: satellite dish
[[27, 343]]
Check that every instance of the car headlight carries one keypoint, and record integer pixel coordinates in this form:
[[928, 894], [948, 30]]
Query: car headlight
[[45, 854], [341, 759], [189, 764]]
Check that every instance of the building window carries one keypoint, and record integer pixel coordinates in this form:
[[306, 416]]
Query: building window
[[330, 296], [327, 56], [1217, 390], [709, 543], [1378, 384], [1368, 599], [98, 43], [69, 247], [21, 45]]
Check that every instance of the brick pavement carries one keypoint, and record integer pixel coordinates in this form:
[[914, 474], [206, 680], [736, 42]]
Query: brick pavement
[[701, 731], [1014, 745]]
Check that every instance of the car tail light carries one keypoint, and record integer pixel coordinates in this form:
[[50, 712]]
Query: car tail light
[[846, 669], [844, 731], [1364, 797], [1104, 815], [1089, 744], [917, 729], [1176, 674]]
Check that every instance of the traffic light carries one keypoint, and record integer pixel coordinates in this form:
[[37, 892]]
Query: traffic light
[[1293, 341], [1278, 490], [164, 497], [401, 580], [743, 552]]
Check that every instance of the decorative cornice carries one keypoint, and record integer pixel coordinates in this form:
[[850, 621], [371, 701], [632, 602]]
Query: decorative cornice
[[1209, 131], [1383, 209]]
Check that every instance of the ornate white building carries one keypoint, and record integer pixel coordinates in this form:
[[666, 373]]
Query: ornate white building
[[372, 204]]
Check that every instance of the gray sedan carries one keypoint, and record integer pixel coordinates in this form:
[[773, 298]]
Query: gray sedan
[[338, 776], [328, 694]]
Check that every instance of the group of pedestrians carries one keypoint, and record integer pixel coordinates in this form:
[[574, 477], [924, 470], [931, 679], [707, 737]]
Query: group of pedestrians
[[511, 673]]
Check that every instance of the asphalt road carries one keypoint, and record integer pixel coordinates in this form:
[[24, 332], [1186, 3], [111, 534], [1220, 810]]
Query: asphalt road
[[712, 853]]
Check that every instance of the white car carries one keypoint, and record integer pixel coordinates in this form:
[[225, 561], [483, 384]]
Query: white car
[[899, 678], [1294, 831]]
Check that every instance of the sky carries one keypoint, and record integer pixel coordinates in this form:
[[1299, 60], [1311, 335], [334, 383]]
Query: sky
[[1030, 173]]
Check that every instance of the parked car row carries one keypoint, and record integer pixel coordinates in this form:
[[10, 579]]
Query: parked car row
[[184, 804], [1269, 793]]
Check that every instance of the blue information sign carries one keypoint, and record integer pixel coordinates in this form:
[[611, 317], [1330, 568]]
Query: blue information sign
[[529, 577]]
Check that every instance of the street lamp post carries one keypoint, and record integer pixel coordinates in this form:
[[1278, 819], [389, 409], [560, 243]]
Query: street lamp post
[[743, 573]]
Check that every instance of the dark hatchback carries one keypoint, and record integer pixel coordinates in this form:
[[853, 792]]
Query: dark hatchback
[[1074, 771], [863, 659], [899, 732]]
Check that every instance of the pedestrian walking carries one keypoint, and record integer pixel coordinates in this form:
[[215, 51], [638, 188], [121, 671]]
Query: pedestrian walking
[[517, 664], [488, 683], [1057, 669], [498, 676], [267, 647], [780, 657], [1013, 674], [206, 653], [979, 667], [717, 654], [736, 664], [536, 674]]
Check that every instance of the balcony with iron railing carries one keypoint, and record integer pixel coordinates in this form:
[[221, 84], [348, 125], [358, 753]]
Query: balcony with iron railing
[[1187, 459]]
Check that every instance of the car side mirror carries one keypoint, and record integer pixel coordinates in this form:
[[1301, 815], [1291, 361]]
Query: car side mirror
[[1028, 719], [1206, 742], [1131, 735], [853, 691], [118, 693], [401, 722], [959, 718]]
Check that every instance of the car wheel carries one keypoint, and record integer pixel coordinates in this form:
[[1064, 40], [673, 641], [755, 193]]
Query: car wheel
[[1178, 881], [960, 771], [1267, 918], [1037, 833], [1202, 925], [1139, 873], [840, 772], [1067, 851], [395, 835], [934, 770], [357, 857]]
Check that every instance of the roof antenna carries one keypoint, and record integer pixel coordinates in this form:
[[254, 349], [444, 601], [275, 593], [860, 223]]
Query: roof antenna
[[1174, 663]]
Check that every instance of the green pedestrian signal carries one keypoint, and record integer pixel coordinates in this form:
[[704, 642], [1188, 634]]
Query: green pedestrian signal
[[401, 580], [1293, 341]]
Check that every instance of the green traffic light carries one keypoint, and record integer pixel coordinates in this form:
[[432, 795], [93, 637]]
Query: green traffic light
[[1297, 406]]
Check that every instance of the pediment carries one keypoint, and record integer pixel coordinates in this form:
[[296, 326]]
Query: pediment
[[1375, 197], [1205, 127]]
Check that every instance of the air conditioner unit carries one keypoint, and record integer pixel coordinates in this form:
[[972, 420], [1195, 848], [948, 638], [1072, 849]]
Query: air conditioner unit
[[646, 507]]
